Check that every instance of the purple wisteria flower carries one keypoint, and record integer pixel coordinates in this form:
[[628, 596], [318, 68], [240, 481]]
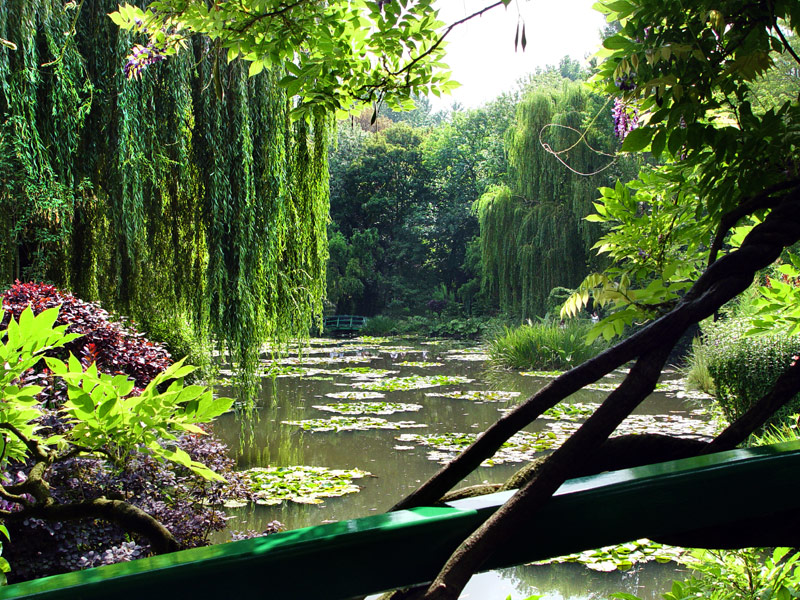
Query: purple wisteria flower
[[142, 57], [626, 118]]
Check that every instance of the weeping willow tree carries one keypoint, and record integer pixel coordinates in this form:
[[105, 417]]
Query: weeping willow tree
[[533, 236], [186, 196]]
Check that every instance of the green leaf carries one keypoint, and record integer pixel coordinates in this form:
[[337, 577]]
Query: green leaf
[[637, 140]]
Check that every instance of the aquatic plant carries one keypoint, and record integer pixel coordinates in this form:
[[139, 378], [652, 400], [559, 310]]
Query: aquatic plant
[[372, 408], [521, 447], [476, 395], [300, 484], [544, 346], [622, 556], [355, 395], [351, 424], [412, 382]]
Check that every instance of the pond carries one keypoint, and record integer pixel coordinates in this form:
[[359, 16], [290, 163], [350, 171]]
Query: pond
[[391, 407]]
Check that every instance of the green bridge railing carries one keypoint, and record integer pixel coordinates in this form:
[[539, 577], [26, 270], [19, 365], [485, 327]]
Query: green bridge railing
[[334, 323], [349, 559]]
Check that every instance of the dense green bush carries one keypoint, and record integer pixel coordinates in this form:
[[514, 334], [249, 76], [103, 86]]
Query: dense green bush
[[744, 368], [378, 326], [544, 346]]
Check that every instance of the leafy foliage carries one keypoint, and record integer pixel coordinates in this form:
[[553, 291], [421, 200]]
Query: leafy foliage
[[694, 76], [109, 438], [108, 184], [748, 574], [116, 347], [744, 368], [337, 55]]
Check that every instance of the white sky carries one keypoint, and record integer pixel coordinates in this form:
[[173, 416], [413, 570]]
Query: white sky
[[481, 51]]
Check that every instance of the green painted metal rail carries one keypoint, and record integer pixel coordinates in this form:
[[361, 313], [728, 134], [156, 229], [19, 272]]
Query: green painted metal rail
[[353, 558], [342, 323]]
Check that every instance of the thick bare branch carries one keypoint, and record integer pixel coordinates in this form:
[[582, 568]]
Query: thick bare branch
[[499, 528], [723, 280]]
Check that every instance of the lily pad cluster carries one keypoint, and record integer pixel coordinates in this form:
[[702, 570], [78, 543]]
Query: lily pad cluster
[[547, 374], [345, 423], [669, 424], [412, 382], [468, 357], [372, 408], [521, 447], [419, 363], [301, 484], [623, 556], [476, 395], [574, 411], [353, 395]]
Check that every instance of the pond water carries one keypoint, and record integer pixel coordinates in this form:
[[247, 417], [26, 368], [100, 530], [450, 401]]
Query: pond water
[[466, 401]]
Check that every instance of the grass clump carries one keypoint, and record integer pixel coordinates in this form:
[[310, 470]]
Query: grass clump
[[544, 346]]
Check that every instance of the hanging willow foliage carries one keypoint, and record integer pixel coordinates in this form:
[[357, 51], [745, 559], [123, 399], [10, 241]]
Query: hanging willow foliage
[[156, 196], [533, 236]]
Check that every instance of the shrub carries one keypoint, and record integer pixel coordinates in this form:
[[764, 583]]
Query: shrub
[[744, 368], [115, 346], [544, 346], [173, 494], [379, 326]]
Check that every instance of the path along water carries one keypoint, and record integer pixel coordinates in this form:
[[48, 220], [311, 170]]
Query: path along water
[[306, 413]]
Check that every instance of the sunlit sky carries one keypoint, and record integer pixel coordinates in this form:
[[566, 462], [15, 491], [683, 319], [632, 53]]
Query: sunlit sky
[[481, 51]]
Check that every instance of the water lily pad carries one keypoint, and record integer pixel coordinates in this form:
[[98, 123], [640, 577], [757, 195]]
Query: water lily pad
[[623, 556], [300, 484], [548, 374], [521, 447], [419, 363], [318, 360], [670, 424], [353, 395], [413, 382], [372, 408], [574, 411], [365, 372], [351, 424], [476, 395], [477, 357]]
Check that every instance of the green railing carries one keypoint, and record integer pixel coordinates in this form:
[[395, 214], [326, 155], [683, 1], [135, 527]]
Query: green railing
[[348, 559], [335, 323]]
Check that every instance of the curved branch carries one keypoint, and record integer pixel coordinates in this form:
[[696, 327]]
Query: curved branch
[[34, 447], [751, 205], [129, 517], [723, 280], [786, 43], [502, 525]]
